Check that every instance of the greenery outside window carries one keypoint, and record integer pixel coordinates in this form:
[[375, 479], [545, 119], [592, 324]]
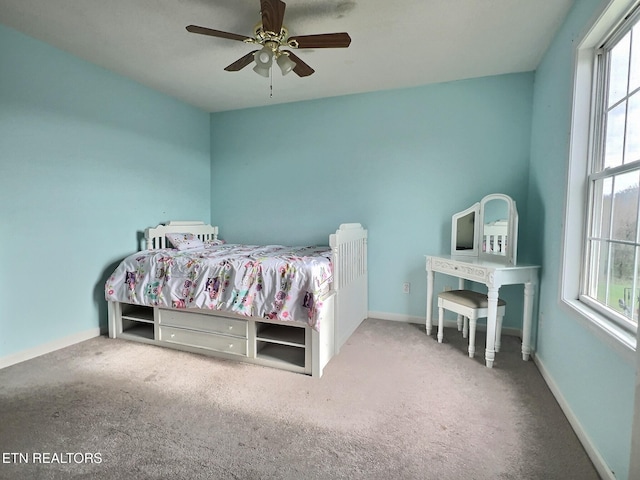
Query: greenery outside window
[[611, 275]]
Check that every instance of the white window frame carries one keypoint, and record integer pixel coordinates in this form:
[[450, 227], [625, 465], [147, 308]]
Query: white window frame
[[576, 216]]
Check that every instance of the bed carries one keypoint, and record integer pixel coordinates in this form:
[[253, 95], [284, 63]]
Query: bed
[[286, 307]]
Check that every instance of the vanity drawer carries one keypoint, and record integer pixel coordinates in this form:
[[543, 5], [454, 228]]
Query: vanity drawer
[[191, 338], [467, 270], [203, 323]]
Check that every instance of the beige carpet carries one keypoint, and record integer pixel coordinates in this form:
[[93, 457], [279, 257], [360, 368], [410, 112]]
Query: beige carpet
[[393, 404]]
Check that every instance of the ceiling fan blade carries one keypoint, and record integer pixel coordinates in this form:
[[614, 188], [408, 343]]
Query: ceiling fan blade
[[323, 40], [301, 69], [241, 62], [217, 33], [272, 15]]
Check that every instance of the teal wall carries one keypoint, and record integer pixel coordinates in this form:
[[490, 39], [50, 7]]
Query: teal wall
[[87, 159], [596, 382], [400, 162]]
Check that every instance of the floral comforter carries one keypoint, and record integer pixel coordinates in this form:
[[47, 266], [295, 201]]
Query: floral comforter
[[276, 282]]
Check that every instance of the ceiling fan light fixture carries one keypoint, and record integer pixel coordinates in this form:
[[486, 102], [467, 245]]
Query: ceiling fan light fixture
[[263, 57], [285, 63], [262, 71]]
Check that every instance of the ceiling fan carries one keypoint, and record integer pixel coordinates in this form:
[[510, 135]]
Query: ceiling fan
[[272, 36]]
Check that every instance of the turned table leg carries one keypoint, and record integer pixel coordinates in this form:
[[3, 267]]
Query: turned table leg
[[429, 300], [529, 293], [492, 315]]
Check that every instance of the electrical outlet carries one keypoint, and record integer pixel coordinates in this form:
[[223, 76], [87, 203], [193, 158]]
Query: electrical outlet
[[406, 287]]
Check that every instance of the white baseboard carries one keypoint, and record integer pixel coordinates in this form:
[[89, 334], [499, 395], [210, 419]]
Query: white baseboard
[[601, 466], [397, 317], [48, 347]]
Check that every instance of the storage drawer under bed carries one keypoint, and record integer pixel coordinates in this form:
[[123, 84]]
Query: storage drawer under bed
[[203, 323], [209, 341]]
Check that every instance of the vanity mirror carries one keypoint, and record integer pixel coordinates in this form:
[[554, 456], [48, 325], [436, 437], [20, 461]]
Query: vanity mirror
[[488, 230], [464, 231]]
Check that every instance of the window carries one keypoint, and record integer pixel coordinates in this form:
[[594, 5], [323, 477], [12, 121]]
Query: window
[[611, 281], [601, 249]]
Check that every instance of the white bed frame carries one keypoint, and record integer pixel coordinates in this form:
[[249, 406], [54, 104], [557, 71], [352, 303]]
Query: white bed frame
[[293, 346]]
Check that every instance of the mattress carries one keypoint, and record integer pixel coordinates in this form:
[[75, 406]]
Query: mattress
[[273, 281]]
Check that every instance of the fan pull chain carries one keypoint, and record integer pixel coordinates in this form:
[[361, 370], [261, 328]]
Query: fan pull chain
[[271, 82]]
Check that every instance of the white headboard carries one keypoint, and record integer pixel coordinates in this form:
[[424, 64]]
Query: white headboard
[[155, 236]]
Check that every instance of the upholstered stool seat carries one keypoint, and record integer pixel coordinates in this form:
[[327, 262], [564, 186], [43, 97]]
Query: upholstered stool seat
[[470, 306]]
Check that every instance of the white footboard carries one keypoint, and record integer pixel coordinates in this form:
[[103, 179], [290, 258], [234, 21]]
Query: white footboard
[[349, 245]]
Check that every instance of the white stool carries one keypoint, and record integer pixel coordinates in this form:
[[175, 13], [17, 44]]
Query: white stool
[[470, 305]]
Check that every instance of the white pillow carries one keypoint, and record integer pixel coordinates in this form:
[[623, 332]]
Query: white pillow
[[184, 241]]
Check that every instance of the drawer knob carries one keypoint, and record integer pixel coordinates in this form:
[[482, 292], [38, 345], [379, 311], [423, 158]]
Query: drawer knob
[[231, 345], [173, 335], [230, 327]]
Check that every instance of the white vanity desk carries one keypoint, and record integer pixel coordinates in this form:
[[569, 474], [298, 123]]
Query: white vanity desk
[[484, 244], [494, 275]]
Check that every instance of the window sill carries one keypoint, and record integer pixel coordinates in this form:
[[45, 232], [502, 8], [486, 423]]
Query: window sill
[[620, 340]]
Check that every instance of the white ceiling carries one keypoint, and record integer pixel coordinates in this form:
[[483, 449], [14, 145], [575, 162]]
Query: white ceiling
[[394, 43]]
